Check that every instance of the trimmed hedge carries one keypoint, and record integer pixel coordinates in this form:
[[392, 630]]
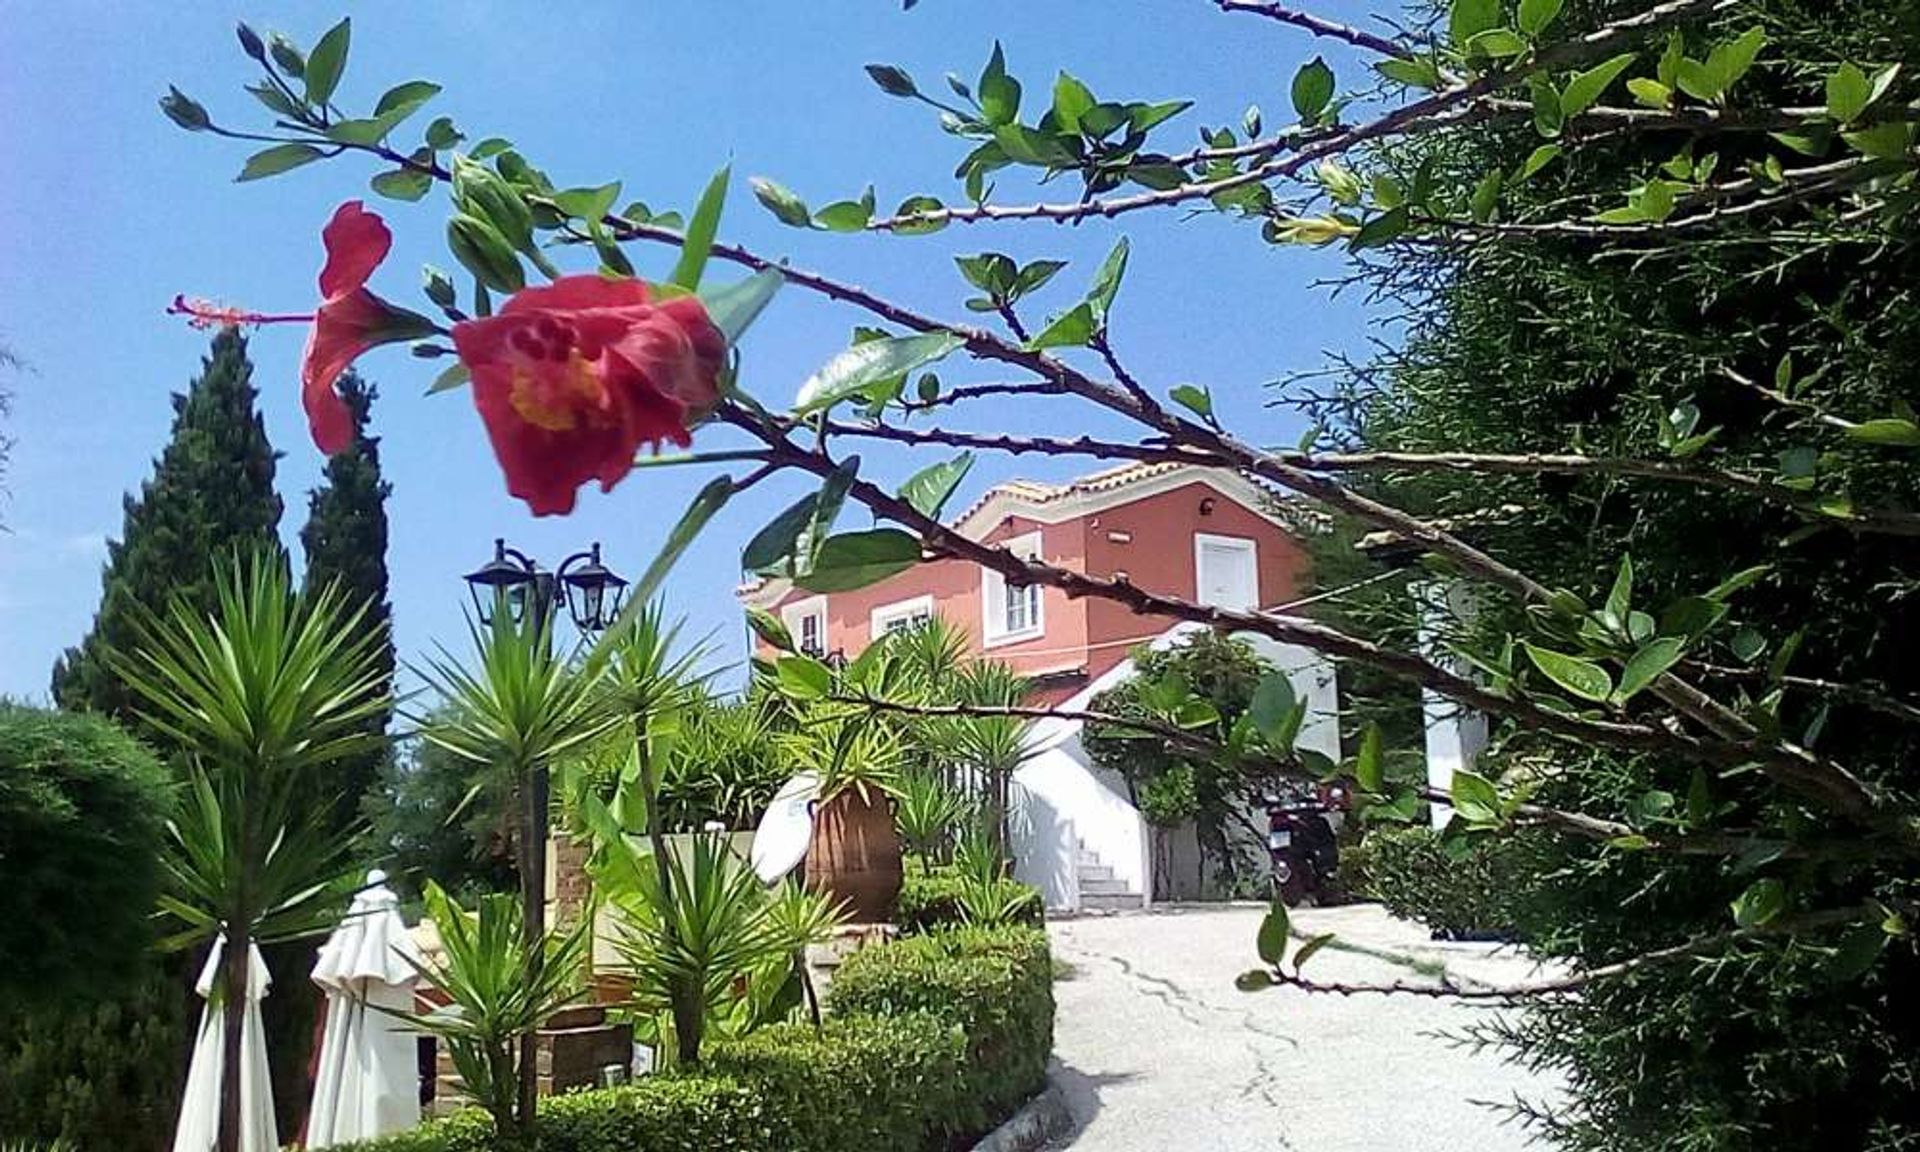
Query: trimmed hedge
[[933, 1039], [1479, 887], [929, 901], [996, 984]]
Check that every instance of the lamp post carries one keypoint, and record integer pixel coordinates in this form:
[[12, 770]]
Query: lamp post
[[514, 583]]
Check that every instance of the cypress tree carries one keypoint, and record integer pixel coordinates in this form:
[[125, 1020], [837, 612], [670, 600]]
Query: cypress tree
[[345, 541], [211, 494]]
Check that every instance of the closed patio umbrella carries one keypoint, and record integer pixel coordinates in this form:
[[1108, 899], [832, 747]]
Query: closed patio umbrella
[[368, 1080], [199, 1126]]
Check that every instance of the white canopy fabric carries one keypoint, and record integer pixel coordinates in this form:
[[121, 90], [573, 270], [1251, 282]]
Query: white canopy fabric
[[368, 1079], [199, 1126]]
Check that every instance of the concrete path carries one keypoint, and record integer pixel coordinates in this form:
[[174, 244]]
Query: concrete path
[[1158, 1052]]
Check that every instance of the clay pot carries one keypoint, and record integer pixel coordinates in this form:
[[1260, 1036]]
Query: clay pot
[[854, 854]]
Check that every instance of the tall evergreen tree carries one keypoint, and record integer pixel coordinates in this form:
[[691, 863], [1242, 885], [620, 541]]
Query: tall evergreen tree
[[345, 540], [211, 494]]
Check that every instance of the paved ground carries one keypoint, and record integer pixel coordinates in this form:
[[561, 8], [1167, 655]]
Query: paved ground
[[1157, 1051]]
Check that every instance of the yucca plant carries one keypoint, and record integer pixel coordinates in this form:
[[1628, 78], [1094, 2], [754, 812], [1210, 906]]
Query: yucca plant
[[500, 985], [514, 714], [926, 812], [990, 747], [264, 696]]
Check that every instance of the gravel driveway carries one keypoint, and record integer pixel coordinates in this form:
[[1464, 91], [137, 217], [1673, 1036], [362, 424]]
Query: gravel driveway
[[1156, 1050]]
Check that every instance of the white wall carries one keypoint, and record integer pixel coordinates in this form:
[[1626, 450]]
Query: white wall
[[1061, 801]]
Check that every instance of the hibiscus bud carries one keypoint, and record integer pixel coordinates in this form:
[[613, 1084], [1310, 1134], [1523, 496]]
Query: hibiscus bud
[[439, 286], [893, 81], [287, 56], [481, 193], [485, 253], [184, 111], [250, 42]]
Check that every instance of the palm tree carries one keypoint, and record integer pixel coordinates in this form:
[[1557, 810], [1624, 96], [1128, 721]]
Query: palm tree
[[262, 697], [987, 746], [515, 714]]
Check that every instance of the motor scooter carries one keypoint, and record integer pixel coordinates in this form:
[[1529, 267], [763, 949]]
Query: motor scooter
[[1301, 839]]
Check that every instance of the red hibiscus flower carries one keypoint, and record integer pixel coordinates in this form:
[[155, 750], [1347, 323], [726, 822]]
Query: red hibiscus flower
[[350, 320], [573, 378]]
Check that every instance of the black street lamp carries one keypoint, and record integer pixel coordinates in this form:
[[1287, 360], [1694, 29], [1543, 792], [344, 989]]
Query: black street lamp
[[512, 581]]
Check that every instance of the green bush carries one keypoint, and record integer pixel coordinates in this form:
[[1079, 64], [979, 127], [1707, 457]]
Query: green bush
[[931, 900], [1478, 886], [934, 1039], [83, 809], [996, 984]]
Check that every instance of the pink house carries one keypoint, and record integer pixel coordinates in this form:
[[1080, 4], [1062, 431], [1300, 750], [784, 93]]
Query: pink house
[[1199, 534]]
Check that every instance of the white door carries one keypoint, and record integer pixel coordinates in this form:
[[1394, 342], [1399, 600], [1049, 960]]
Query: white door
[[1226, 573]]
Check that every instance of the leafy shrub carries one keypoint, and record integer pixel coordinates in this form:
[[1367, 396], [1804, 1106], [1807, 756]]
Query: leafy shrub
[[83, 810], [1480, 886], [934, 1039], [996, 984], [930, 900]]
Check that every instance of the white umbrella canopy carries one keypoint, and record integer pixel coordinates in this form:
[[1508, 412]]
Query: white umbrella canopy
[[368, 1080], [199, 1126]]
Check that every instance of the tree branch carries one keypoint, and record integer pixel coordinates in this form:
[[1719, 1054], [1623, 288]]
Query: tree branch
[[1316, 25]]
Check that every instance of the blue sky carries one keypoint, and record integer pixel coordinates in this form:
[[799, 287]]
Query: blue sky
[[107, 210]]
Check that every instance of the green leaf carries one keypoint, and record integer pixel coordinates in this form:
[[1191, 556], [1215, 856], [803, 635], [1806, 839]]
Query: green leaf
[[1620, 597], [1859, 949], [804, 678], [1071, 329], [327, 61], [1584, 90], [1650, 92], [786, 207], [1271, 709], [999, 92], [588, 203], [1536, 15], [402, 184], [846, 215], [860, 367], [1313, 88], [1475, 798], [1071, 100], [733, 307], [1693, 78], [1370, 764], [706, 502], [452, 376], [1744, 578], [1889, 141], [1498, 43], [1761, 903], [770, 628], [856, 559], [1106, 281], [1194, 399], [920, 206], [1382, 228], [1468, 18], [1730, 61], [772, 547], [405, 99], [1648, 664], [1033, 275], [1306, 951], [1889, 431], [1255, 980], [442, 135], [929, 489], [1541, 157], [698, 244], [1271, 940], [1420, 72], [1848, 93], [1143, 117], [277, 159], [1582, 678]]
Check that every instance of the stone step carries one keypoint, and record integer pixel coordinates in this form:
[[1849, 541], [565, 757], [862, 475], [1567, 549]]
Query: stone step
[[1094, 872], [1110, 902], [1107, 887]]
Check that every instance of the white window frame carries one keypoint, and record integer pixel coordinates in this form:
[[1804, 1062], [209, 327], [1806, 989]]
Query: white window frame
[[993, 597], [885, 614], [793, 616], [1203, 540]]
